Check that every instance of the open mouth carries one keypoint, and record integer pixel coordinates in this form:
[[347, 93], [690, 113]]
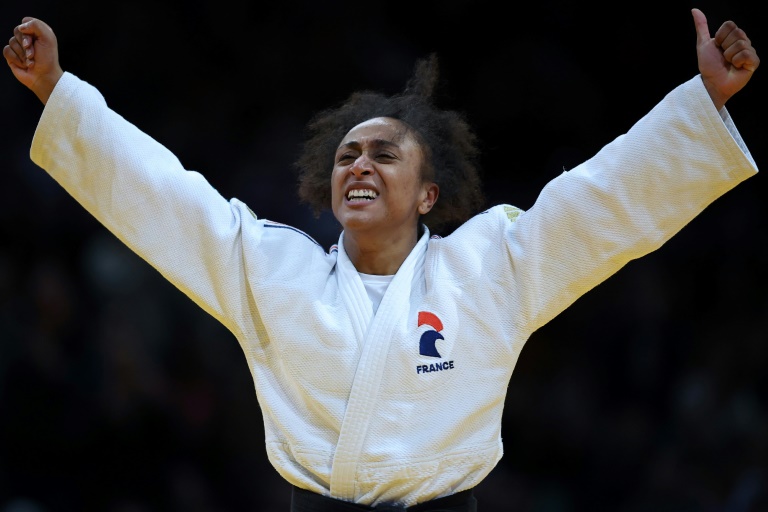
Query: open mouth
[[361, 195]]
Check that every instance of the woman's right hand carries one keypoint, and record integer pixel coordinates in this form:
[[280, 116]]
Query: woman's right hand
[[33, 56]]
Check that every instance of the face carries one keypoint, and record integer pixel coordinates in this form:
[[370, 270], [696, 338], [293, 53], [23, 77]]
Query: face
[[377, 184]]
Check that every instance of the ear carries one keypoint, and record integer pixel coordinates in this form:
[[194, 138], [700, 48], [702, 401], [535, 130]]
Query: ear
[[429, 195]]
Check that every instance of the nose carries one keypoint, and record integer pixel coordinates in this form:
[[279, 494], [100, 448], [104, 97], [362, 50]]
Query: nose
[[362, 166]]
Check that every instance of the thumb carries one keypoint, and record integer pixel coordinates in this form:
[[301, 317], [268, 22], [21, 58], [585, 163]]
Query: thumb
[[702, 29], [30, 26]]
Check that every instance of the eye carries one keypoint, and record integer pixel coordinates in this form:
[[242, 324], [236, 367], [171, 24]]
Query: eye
[[385, 156], [346, 157]]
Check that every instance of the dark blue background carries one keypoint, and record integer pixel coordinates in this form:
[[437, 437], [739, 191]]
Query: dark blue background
[[118, 394]]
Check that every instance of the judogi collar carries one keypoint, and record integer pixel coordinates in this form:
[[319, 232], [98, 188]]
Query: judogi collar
[[373, 334]]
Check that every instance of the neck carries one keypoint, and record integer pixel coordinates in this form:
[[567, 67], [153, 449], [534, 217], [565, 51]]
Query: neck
[[377, 255]]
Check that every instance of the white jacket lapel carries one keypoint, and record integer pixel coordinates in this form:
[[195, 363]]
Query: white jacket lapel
[[370, 369], [354, 295]]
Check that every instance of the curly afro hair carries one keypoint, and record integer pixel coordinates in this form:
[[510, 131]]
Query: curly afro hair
[[446, 138]]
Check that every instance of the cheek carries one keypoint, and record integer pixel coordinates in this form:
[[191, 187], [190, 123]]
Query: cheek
[[336, 185], [409, 189], [336, 193]]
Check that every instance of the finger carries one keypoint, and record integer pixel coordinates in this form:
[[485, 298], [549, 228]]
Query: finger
[[13, 59], [746, 59], [729, 34], [30, 30], [10, 56], [702, 29], [737, 47], [30, 26], [732, 49], [19, 36], [14, 47], [26, 33]]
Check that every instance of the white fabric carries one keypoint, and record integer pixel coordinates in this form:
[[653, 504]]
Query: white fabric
[[375, 286], [352, 406]]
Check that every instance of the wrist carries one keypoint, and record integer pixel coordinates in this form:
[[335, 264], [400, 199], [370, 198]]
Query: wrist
[[715, 95], [44, 87]]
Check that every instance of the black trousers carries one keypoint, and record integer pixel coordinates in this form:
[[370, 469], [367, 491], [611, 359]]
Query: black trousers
[[307, 501]]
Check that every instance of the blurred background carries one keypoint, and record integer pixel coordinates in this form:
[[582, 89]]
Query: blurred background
[[118, 394]]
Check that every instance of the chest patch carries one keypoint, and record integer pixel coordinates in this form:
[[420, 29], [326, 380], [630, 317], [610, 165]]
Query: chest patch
[[427, 344]]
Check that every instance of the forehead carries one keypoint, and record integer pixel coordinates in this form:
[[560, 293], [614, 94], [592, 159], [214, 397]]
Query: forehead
[[381, 128]]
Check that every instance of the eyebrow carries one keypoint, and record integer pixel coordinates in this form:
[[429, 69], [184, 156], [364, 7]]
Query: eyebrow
[[374, 142]]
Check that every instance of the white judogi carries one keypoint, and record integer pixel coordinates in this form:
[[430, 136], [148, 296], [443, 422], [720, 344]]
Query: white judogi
[[404, 405]]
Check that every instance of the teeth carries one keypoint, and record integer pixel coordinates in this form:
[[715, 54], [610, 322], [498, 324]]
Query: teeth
[[363, 193]]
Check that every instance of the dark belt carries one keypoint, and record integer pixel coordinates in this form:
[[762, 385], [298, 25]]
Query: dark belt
[[307, 501]]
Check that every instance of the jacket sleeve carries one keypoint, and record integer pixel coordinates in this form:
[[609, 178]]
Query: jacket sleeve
[[171, 217], [623, 203]]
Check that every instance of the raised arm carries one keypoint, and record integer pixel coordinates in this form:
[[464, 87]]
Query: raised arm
[[726, 61], [33, 56], [641, 188], [133, 185]]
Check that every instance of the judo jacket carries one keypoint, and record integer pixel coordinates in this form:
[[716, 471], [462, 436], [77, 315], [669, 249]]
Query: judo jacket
[[405, 405]]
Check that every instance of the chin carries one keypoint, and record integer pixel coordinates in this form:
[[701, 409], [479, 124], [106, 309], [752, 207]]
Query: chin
[[358, 223]]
